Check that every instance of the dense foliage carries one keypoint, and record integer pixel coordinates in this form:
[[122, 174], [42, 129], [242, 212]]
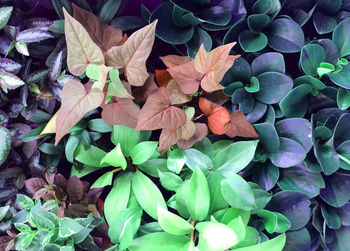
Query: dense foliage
[[174, 125]]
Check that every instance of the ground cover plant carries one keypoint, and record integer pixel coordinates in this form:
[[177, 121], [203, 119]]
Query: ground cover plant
[[177, 125]]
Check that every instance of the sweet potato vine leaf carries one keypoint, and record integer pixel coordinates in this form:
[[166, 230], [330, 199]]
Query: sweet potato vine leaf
[[141, 93], [175, 60], [239, 126], [76, 102], [159, 113], [176, 94], [123, 112], [82, 50], [199, 135], [214, 65], [132, 55], [163, 77], [103, 35]]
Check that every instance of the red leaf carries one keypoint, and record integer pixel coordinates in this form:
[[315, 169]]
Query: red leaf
[[186, 76], [141, 93], [174, 60], [123, 112], [103, 35], [76, 102], [218, 116], [199, 135], [239, 126], [34, 184], [158, 113], [163, 77]]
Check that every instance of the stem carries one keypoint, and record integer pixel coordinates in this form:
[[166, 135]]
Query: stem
[[344, 159], [198, 117], [193, 230], [116, 170]]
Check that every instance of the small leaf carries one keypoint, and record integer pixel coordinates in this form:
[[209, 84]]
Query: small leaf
[[56, 67], [343, 99], [25, 202], [116, 88], [33, 35], [115, 158], [9, 81], [173, 224], [3, 212], [176, 160], [5, 145], [143, 151], [126, 137], [5, 13], [22, 48], [104, 180], [169, 180]]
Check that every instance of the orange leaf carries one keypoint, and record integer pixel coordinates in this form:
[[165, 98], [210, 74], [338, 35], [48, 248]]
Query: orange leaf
[[174, 60], [76, 102], [163, 77], [239, 126], [123, 112]]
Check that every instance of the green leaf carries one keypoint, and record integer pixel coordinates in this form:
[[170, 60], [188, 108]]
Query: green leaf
[[176, 160], [189, 247], [173, 224], [159, 242], [238, 226], [5, 144], [115, 158], [235, 157], [109, 10], [143, 151], [118, 197], [181, 197], [68, 227], [22, 48], [215, 236], [217, 201], [98, 125], [70, 147], [198, 197], [104, 180], [275, 244], [152, 167], [170, 180], [237, 192], [23, 228], [252, 41], [5, 13], [124, 226], [195, 158], [343, 99], [25, 202], [116, 88], [93, 71], [147, 194], [91, 156], [341, 37], [254, 85], [126, 137], [325, 68], [311, 56], [3, 212]]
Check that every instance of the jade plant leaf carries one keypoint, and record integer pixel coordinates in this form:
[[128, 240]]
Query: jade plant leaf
[[341, 37]]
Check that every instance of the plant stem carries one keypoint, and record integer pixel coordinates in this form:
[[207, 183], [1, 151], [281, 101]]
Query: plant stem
[[193, 230], [117, 170]]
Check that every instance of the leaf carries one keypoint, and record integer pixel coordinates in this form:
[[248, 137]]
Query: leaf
[[214, 65], [103, 35], [82, 50], [170, 181], [116, 88], [35, 184], [91, 156], [173, 224], [341, 37], [158, 113], [126, 137], [239, 126], [175, 60], [22, 48], [147, 194], [132, 55], [195, 158], [5, 145], [9, 81], [343, 99], [75, 188], [115, 158], [68, 227], [200, 133], [56, 66], [198, 198], [276, 243], [76, 102], [159, 241], [123, 112], [176, 94], [141, 93], [143, 151], [10, 66], [163, 77], [104, 180], [176, 160], [215, 236], [25, 202], [218, 116], [5, 13], [310, 58], [33, 35]]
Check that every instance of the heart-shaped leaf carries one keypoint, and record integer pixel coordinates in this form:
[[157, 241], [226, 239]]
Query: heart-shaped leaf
[[239, 126]]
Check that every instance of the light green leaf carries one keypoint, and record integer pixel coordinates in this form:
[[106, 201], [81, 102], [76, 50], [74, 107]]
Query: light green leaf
[[143, 151], [343, 99], [91, 157], [25, 202], [22, 48], [116, 87], [159, 242], [68, 227], [5, 13], [9, 81], [152, 167], [237, 192], [3, 212], [189, 247], [195, 158], [275, 244], [147, 194], [181, 197], [215, 236], [115, 158], [118, 197], [104, 180], [217, 201], [171, 223], [23, 228], [124, 226], [176, 160], [5, 144], [235, 157], [93, 71], [238, 226], [126, 137], [198, 197], [170, 180]]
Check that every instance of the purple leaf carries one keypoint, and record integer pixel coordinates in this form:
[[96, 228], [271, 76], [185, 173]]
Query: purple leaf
[[33, 35], [266, 176], [40, 22], [336, 193], [56, 66], [11, 31], [9, 65], [5, 44], [344, 214]]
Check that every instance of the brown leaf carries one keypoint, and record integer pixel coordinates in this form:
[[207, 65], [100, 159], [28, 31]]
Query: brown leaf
[[175, 60], [60, 211], [168, 138], [141, 93], [239, 126], [77, 209], [187, 77], [176, 94], [60, 180], [75, 188], [4, 240], [45, 194], [214, 65], [163, 77], [199, 135], [218, 97], [103, 35], [34, 184], [82, 50], [132, 55], [123, 112], [76, 102], [158, 113]]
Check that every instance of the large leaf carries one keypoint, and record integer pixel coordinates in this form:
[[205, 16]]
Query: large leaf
[[82, 50], [147, 194], [9, 81], [123, 112], [103, 35], [132, 55], [158, 112], [5, 145], [173, 224], [76, 102]]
